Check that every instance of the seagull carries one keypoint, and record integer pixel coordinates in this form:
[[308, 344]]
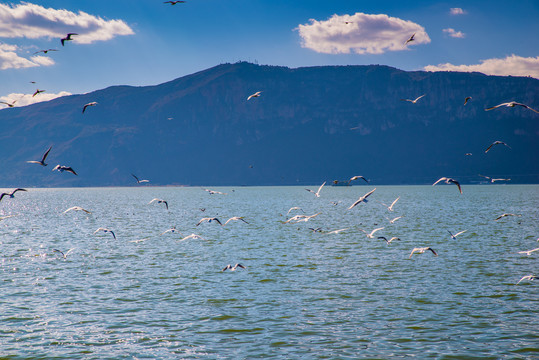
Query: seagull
[[358, 177], [42, 161], [67, 38], [410, 39], [159, 201], [468, 98], [393, 220], [528, 252], [209, 220], [62, 168], [44, 51], [449, 181], [511, 104], [171, 230], [390, 240], [336, 231], [422, 250], [173, 2], [527, 277], [318, 229], [11, 194], [414, 101], [294, 208], [106, 231], [317, 193], [38, 92], [93, 103], [454, 237], [76, 208], [214, 192], [67, 252], [300, 218], [497, 142], [493, 179], [504, 215], [390, 207], [233, 268], [192, 236], [11, 104], [256, 94], [362, 199], [370, 236], [468, 154], [235, 218], [138, 180]]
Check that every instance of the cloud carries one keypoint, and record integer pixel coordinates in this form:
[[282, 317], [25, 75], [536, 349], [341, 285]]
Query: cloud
[[456, 34], [34, 21], [360, 33], [27, 99], [10, 60], [457, 11], [511, 65]]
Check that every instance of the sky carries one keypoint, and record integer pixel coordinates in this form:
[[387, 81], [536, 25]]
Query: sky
[[148, 42]]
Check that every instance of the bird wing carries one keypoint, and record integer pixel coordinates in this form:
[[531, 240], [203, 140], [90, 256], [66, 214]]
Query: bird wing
[[527, 107], [217, 221], [419, 97], [434, 252], [456, 183], [393, 203], [320, 188], [46, 154], [375, 230], [460, 232], [497, 106], [440, 179]]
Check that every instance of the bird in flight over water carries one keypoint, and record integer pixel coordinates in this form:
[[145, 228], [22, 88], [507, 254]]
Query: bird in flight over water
[[449, 181], [362, 199], [511, 104], [497, 142], [233, 268], [62, 168], [317, 193], [11, 194], [42, 161], [422, 250], [415, 100]]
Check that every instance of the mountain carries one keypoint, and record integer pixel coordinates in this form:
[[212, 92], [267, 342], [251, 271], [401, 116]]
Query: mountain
[[309, 125]]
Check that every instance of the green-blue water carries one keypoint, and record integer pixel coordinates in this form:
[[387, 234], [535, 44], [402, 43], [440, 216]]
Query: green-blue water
[[304, 294]]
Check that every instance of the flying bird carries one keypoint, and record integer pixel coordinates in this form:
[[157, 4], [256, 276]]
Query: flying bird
[[42, 161], [44, 51], [454, 236], [390, 207], [468, 154], [504, 215], [138, 180], [410, 39], [393, 220], [511, 104], [209, 220], [233, 268], [413, 101], [358, 177], [62, 168], [317, 193], [528, 252], [300, 218], [11, 104], [159, 201], [468, 98], [422, 250], [67, 252], [390, 240], [67, 38], [362, 199], [449, 181], [492, 180], [171, 230], [37, 92], [192, 236], [93, 103], [336, 231], [76, 208], [497, 142], [527, 277], [256, 94], [105, 231], [294, 208], [173, 2], [214, 192], [11, 194], [370, 235], [235, 218]]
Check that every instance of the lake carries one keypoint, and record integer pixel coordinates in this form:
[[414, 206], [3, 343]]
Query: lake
[[303, 294]]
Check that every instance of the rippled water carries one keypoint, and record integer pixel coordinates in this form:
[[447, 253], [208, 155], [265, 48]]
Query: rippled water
[[304, 294]]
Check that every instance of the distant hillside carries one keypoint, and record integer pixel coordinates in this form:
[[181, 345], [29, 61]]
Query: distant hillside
[[309, 125]]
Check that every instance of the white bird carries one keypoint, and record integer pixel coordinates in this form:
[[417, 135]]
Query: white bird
[[42, 161], [192, 236], [93, 103], [11, 194], [171, 230], [138, 180], [358, 177], [300, 218], [62, 168], [415, 100], [66, 253], [454, 237], [336, 231], [256, 94], [492, 180], [390, 240], [174, 2], [390, 207], [370, 235], [209, 220], [504, 215], [233, 268], [159, 201], [422, 250], [528, 252], [410, 39], [449, 181], [214, 192], [235, 218], [106, 231], [511, 104], [294, 208], [497, 142], [317, 193], [76, 208], [527, 277], [362, 199], [391, 221]]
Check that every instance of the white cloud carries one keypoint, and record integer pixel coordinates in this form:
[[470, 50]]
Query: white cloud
[[9, 59], [27, 99], [360, 33], [34, 21], [456, 34], [511, 65], [457, 11]]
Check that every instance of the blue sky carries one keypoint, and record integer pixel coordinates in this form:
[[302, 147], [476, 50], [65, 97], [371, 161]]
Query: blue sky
[[147, 42]]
